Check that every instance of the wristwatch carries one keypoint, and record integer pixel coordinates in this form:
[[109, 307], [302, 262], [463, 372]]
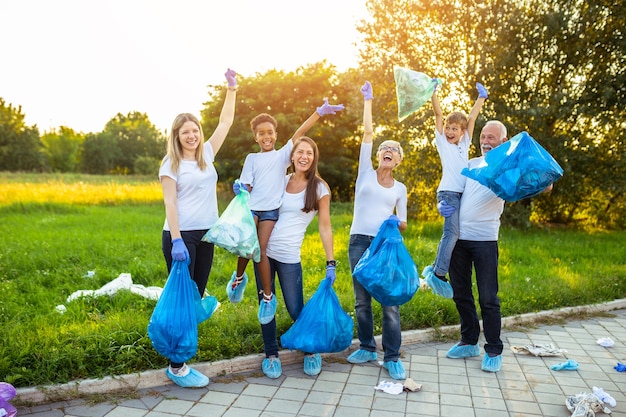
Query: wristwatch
[[331, 263]]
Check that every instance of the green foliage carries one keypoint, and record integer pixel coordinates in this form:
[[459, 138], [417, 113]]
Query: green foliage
[[147, 165], [20, 146], [63, 149]]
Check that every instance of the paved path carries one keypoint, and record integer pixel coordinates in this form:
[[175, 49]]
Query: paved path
[[526, 386]]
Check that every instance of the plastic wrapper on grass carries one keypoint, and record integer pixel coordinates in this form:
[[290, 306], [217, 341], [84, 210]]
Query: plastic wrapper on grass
[[517, 169], [413, 89], [386, 269], [323, 326], [235, 230]]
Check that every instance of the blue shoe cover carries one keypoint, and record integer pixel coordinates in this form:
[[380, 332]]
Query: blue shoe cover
[[206, 307], [569, 365], [439, 287], [362, 356], [235, 295], [193, 379], [396, 369], [267, 310], [459, 351], [491, 364], [271, 367], [312, 364]]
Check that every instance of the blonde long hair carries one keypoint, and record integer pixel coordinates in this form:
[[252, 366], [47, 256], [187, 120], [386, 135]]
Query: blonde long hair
[[175, 149]]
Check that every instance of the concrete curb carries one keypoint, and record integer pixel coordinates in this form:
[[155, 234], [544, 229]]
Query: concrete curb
[[155, 378]]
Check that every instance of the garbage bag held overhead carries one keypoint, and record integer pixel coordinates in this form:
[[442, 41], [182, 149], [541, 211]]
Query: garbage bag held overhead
[[386, 269], [517, 169], [413, 89], [235, 230], [322, 326], [173, 327]]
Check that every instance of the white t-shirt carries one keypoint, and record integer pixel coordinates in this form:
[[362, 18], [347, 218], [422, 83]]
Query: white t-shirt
[[373, 203], [480, 211], [195, 192], [288, 233], [265, 172], [453, 160]]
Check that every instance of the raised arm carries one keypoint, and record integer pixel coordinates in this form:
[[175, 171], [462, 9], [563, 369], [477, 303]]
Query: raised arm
[[471, 119], [438, 113], [227, 116], [368, 96], [322, 110]]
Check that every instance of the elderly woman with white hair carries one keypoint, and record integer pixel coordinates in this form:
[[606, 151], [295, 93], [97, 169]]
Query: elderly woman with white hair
[[377, 197]]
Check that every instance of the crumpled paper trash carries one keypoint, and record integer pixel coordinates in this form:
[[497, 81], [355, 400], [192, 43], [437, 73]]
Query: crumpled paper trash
[[390, 387], [569, 365], [539, 350], [410, 385], [606, 342], [585, 404]]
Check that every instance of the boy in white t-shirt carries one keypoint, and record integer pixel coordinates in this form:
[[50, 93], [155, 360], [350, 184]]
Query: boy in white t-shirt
[[263, 174], [453, 140]]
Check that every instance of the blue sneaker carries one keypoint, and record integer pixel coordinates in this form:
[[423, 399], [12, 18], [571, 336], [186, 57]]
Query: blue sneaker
[[312, 364], [187, 377], [267, 310], [271, 367], [491, 363], [439, 286], [362, 356], [459, 351], [396, 369], [235, 289]]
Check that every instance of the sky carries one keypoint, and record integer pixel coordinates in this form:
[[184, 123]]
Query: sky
[[78, 63]]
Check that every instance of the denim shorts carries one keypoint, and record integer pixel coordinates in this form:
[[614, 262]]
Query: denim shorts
[[265, 215]]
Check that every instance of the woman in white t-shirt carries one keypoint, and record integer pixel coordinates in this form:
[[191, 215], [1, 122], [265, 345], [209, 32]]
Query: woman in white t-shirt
[[306, 194], [189, 181], [377, 196]]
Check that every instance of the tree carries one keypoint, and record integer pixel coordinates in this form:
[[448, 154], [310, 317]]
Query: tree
[[136, 137], [291, 97], [99, 153], [63, 149], [20, 145]]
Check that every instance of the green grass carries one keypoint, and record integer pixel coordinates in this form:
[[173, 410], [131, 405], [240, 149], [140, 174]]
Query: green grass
[[48, 247]]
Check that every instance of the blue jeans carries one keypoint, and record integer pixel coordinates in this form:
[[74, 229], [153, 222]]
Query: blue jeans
[[392, 333], [483, 256], [450, 232], [290, 278]]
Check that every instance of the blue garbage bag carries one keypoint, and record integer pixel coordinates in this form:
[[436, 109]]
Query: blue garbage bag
[[322, 326], [235, 229], [386, 269], [173, 327], [517, 169]]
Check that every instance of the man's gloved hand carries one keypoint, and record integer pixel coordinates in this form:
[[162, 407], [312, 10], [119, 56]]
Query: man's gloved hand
[[179, 250], [326, 108], [331, 274], [238, 186], [230, 78], [366, 90], [395, 218], [482, 91], [445, 209]]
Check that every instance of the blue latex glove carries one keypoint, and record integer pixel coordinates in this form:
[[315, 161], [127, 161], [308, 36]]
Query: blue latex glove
[[569, 365], [179, 250], [436, 81], [445, 209], [368, 94], [331, 274], [395, 218], [326, 108], [230, 78], [482, 91], [620, 367], [238, 186]]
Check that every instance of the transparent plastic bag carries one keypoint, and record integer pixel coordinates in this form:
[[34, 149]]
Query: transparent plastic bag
[[173, 326], [413, 89], [7, 392], [386, 269], [235, 230], [322, 326], [517, 169]]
